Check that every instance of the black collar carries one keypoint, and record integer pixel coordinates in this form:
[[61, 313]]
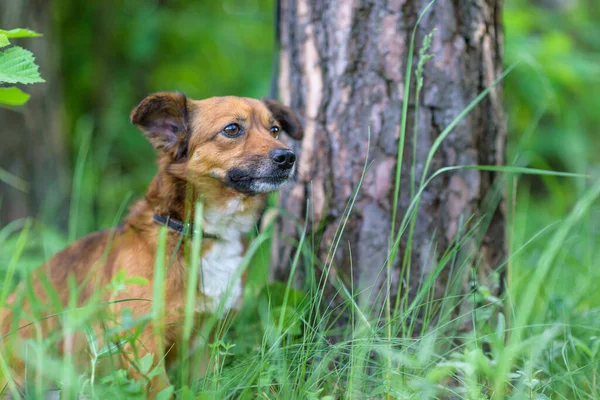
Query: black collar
[[185, 228]]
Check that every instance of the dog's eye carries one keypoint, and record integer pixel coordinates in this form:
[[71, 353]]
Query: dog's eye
[[232, 130], [275, 131]]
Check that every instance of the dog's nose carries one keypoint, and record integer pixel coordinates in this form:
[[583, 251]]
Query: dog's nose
[[283, 158]]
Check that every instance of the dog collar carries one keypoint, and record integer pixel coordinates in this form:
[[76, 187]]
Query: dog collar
[[182, 227]]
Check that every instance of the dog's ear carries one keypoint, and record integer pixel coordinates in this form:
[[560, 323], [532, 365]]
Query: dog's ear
[[163, 117], [286, 117]]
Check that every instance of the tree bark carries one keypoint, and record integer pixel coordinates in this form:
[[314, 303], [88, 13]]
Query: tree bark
[[31, 139], [342, 68]]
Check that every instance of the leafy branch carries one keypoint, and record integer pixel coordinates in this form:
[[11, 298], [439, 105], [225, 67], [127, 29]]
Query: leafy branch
[[17, 65]]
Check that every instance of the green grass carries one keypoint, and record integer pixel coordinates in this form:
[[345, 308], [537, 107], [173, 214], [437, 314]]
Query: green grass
[[286, 343], [540, 339]]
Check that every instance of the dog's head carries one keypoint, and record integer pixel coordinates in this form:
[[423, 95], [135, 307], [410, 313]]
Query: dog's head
[[232, 140]]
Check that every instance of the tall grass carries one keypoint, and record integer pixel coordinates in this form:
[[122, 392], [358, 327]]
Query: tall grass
[[533, 342]]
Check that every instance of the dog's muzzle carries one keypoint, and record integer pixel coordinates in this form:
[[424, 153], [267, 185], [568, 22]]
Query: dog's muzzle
[[265, 175]]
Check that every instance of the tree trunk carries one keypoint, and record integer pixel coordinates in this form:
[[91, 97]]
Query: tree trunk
[[343, 66], [31, 138]]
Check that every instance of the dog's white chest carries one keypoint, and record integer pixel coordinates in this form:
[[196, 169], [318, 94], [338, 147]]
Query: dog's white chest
[[220, 274]]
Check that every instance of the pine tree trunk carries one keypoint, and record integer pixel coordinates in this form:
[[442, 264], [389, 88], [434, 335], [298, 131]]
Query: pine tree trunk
[[342, 68], [31, 140]]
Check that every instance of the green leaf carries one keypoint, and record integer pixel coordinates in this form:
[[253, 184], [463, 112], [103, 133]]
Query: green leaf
[[136, 280], [111, 348], [3, 40], [165, 394], [205, 395], [91, 339], [19, 33], [17, 65], [290, 318], [186, 393], [13, 96], [146, 363]]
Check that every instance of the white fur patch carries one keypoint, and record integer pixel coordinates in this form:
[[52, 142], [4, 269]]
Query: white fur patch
[[220, 278], [266, 187]]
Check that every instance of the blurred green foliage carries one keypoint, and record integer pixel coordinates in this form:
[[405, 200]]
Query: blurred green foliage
[[554, 90], [552, 105]]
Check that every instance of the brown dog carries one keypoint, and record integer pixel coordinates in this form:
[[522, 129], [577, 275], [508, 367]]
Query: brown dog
[[223, 151]]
